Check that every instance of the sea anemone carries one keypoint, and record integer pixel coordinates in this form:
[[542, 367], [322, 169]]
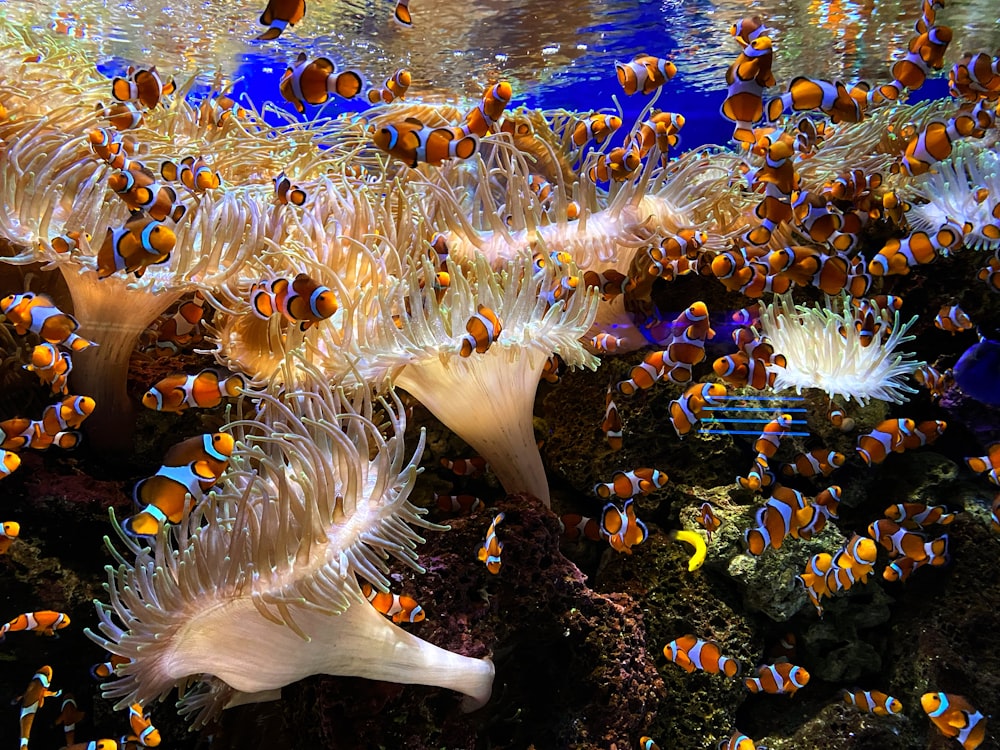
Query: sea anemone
[[270, 560], [824, 350], [962, 189]]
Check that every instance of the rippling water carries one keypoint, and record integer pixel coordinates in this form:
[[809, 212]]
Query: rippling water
[[555, 54]]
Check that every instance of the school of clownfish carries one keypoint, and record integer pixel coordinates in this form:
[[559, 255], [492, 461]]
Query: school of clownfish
[[835, 218]]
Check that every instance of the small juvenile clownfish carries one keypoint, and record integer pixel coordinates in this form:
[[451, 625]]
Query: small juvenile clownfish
[[401, 14], [473, 467], [37, 313], [313, 82], [68, 241], [33, 699], [989, 465], [144, 86], [8, 533], [644, 73], [627, 484], [690, 653], [483, 329], [708, 520], [395, 87], [216, 110], [413, 142], [142, 726], [738, 741], [463, 504], [141, 242], [612, 425], [621, 527], [647, 743], [69, 715], [108, 668], [285, 192], [44, 622], [52, 366], [9, 461], [279, 15], [190, 469], [399, 607], [953, 319], [191, 172], [489, 551], [873, 701], [954, 716], [176, 393], [784, 679], [301, 301]]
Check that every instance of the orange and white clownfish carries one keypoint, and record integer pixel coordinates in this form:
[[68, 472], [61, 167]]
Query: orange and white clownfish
[[597, 127], [69, 715], [685, 412], [120, 115], [285, 192], [953, 319], [144, 86], [413, 142], [622, 528], [708, 520], [690, 653], [746, 30], [489, 551], [313, 82], [401, 14], [9, 531], [113, 147], [474, 466], [738, 741], [483, 329], [399, 607], [395, 87], [106, 744], [832, 98], [142, 726], [954, 716], [612, 425], [873, 701], [279, 15], [783, 679], [52, 366], [191, 172], [626, 484], [33, 699], [108, 668], [9, 461], [178, 392], [644, 73], [141, 242], [887, 437], [37, 313], [301, 300], [68, 241], [463, 504], [44, 622], [140, 191], [746, 78], [918, 515], [818, 462], [988, 465], [216, 110], [190, 468], [484, 118], [648, 743]]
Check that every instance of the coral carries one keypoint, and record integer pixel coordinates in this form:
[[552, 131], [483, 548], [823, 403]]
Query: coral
[[824, 350], [272, 558]]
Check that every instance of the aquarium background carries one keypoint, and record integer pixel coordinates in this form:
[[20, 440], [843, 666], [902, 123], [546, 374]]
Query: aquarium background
[[575, 629]]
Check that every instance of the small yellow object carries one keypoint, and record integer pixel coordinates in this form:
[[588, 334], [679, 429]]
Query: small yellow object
[[700, 548]]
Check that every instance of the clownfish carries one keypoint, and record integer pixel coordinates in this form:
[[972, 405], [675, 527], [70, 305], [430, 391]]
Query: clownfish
[[120, 115], [401, 14], [9, 461], [708, 520], [738, 741], [818, 462], [644, 73], [395, 87], [191, 172], [52, 366], [783, 679], [988, 465], [832, 98], [627, 484], [301, 300], [647, 743], [597, 127], [746, 30], [69, 715], [621, 527], [279, 15], [8, 533], [142, 726], [285, 192], [489, 551], [887, 437], [216, 111], [483, 329], [473, 467], [176, 393], [400, 608], [463, 504], [37, 313], [918, 515], [953, 319], [140, 191], [575, 526], [413, 142], [313, 82], [690, 653], [954, 716], [144, 86], [141, 242], [33, 699], [44, 622], [873, 701], [612, 425], [190, 468], [68, 241], [108, 668], [106, 744], [685, 412], [747, 78]]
